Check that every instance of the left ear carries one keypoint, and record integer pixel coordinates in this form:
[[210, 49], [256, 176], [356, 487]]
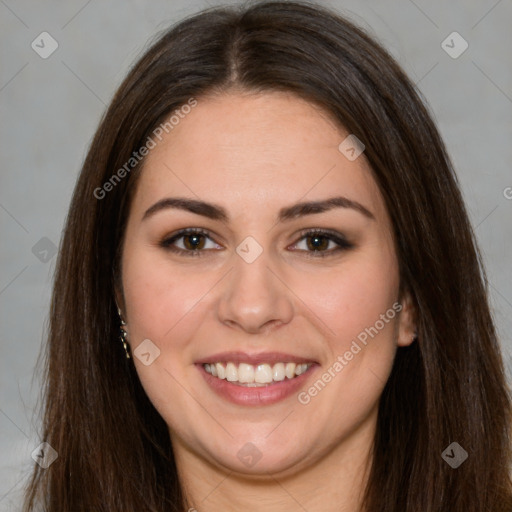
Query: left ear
[[407, 329]]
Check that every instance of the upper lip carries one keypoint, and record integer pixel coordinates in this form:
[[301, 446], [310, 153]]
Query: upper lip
[[258, 358]]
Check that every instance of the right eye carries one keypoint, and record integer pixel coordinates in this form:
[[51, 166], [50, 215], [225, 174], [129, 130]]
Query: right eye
[[193, 242]]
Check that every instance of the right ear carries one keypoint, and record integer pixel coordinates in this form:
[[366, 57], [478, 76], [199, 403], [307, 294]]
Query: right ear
[[118, 296], [117, 286]]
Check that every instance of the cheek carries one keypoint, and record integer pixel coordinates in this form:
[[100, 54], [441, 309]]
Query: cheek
[[164, 306], [159, 298], [358, 306], [351, 299]]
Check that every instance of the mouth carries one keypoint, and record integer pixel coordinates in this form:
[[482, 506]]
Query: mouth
[[256, 380]]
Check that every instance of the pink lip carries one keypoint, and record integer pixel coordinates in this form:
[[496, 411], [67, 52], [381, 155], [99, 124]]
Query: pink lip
[[259, 358], [264, 395]]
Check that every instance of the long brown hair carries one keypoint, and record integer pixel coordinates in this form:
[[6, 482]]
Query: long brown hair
[[114, 452]]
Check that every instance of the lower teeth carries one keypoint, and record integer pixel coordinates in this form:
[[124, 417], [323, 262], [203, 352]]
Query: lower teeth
[[252, 384], [257, 384]]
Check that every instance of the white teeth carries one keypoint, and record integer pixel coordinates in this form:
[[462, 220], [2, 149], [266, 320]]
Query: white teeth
[[249, 375], [221, 371], [301, 368], [231, 373], [278, 372], [263, 374], [245, 372], [290, 370]]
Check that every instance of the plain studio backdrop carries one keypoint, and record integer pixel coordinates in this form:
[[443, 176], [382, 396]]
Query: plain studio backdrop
[[60, 64]]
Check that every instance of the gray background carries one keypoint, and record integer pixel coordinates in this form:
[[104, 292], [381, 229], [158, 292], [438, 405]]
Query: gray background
[[50, 108]]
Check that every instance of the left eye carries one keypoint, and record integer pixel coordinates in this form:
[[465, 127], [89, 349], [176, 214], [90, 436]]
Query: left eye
[[316, 242]]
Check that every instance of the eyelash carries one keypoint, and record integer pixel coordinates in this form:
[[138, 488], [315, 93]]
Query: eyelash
[[343, 244]]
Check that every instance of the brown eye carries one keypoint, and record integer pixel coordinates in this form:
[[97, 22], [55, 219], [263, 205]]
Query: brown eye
[[317, 243], [194, 242]]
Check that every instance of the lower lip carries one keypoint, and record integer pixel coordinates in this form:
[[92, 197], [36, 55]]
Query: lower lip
[[263, 395]]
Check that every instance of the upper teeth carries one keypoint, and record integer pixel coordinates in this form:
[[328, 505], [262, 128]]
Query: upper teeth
[[260, 374]]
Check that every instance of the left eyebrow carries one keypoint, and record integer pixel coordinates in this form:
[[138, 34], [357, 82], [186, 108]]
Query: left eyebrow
[[312, 207], [216, 212]]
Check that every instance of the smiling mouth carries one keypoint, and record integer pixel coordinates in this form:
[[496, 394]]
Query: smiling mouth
[[260, 375]]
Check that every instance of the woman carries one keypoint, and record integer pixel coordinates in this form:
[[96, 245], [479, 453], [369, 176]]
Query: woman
[[268, 294]]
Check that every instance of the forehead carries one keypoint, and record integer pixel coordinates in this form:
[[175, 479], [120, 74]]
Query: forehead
[[250, 149]]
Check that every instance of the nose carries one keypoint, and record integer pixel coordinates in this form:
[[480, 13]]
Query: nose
[[255, 298]]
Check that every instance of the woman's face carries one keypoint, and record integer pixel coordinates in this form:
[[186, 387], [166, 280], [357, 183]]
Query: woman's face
[[255, 296]]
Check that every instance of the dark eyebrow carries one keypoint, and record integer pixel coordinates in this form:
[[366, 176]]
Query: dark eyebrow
[[216, 212], [311, 207]]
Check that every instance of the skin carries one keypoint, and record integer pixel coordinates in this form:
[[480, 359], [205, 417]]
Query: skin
[[254, 154]]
